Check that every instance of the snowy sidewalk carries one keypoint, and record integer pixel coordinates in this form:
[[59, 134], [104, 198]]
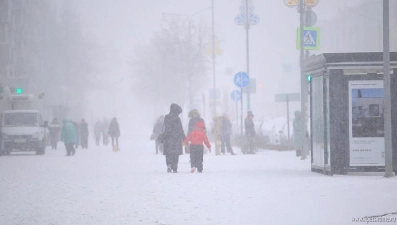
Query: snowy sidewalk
[[98, 186]]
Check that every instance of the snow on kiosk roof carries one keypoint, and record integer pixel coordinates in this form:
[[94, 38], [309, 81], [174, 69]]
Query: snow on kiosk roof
[[21, 111], [347, 122]]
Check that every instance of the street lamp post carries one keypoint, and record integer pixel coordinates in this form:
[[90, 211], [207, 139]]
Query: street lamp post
[[387, 89], [213, 61], [304, 93]]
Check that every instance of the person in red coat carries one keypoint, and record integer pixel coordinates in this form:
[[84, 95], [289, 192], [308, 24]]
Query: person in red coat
[[196, 139]]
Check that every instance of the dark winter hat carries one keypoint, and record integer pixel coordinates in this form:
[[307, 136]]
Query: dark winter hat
[[250, 113], [175, 109]]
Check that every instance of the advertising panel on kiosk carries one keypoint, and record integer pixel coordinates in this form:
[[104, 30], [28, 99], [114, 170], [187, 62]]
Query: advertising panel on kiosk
[[366, 123]]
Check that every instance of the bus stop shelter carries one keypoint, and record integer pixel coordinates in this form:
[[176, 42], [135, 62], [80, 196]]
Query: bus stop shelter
[[346, 112]]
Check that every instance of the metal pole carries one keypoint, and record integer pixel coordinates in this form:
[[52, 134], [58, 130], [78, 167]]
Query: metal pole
[[190, 72], [241, 107], [247, 24], [237, 114], [308, 21], [288, 117], [213, 60], [387, 89], [303, 80]]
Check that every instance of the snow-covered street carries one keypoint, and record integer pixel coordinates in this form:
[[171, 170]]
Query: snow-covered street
[[98, 186]]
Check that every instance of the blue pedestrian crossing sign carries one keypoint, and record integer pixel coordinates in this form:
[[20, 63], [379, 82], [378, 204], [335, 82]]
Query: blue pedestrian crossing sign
[[236, 95], [311, 38], [241, 79]]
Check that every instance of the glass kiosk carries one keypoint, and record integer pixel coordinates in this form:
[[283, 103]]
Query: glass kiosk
[[346, 112]]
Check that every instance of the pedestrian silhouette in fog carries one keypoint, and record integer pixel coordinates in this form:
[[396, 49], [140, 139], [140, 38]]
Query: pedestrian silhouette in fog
[[54, 128], [69, 137], [173, 138], [114, 133], [84, 133]]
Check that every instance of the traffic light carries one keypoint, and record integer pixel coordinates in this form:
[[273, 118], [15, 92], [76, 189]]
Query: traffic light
[[309, 78], [18, 91]]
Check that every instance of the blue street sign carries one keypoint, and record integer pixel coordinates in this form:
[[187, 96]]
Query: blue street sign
[[236, 95], [241, 79], [241, 18], [311, 38]]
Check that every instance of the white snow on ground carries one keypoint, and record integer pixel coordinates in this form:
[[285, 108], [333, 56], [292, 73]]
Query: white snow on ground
[[98, 186]]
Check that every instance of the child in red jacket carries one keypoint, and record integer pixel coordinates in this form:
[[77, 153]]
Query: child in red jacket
[[196, 139]]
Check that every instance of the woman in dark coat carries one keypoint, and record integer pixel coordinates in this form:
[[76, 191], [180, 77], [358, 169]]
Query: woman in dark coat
[[84, 133], [173, 138], [114, 133]]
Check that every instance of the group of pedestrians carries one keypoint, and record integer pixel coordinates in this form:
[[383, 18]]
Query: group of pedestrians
[[104, 130], [170, 138], [74, 134], [221, 131], [80, 133]]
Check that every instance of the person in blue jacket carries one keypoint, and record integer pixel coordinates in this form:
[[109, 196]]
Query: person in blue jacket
[[69, 137]]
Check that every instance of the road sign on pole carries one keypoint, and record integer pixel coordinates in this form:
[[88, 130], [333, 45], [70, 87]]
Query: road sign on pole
[[311, 38], [292, 97], [241, 79], [311, 18], [236, 95]]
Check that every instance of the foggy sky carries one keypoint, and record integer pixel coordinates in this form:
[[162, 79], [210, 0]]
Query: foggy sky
[[120, 25]]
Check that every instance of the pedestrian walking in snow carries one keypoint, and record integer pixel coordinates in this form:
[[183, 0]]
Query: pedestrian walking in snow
[[194, 116], [226, 132], [114, 133], [69, 137], [97, 132], [196, 139], [173, 138], [77, 129], [249, 147], [54, 128], [84, 133], [298, 134], [217, 134], [105, 130], [157, 130]]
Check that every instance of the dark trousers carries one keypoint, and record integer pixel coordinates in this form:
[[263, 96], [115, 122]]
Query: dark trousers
[[54, 141], [84, 141], [70, 149], [249, 146], [226, 144], [172, 161], [196, 157], [117, 141]]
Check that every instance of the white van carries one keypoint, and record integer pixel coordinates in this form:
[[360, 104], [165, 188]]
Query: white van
[[23, 130]]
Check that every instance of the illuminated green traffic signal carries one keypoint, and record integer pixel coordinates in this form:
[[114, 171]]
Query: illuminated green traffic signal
[[309, 78], [18, 91]]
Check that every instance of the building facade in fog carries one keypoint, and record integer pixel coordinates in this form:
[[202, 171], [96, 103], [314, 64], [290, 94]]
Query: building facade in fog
[[359, 29], [23, 25], [42, 50]]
